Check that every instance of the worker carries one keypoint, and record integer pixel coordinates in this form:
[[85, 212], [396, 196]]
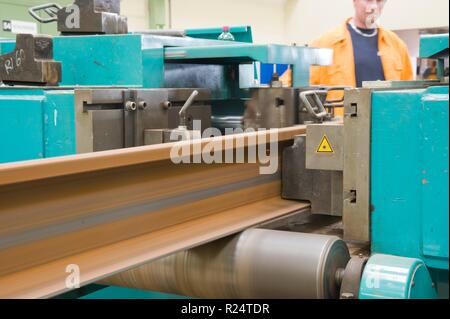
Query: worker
[[363, 50]]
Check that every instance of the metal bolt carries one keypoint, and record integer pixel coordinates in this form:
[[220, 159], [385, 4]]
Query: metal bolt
[[167, 104], [347, 295], [142, 105], [130, 106], [413, 284]]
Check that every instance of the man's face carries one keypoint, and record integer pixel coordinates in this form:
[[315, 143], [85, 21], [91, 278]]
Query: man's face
[[368, 11]]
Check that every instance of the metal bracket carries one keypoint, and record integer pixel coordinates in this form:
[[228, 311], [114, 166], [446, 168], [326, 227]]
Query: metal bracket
[[351, 280], [119, 118], [31, 63], [357, 144]]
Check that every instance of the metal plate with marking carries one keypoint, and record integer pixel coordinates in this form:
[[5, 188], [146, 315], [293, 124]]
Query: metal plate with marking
[[324, 146]]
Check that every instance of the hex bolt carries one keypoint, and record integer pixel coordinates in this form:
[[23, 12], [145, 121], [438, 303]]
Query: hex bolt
[[130, 106]]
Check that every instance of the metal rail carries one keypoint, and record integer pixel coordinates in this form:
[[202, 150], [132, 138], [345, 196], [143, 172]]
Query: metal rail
[[112, 211]]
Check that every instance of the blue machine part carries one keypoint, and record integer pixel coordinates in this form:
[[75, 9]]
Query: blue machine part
[[35, 124], [267, 72], [391, 277], [409, 185]]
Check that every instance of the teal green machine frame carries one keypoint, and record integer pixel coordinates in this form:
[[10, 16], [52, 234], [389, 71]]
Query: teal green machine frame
[[410, 190], [39, 122], [409, 195], [410, 140], [134, 61], [137, 60], [36, 123]]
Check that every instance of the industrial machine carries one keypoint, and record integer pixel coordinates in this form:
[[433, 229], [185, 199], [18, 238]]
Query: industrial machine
[[357, 209], [132, 61]]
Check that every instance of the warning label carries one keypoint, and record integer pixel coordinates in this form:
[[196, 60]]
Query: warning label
[[325, 146]]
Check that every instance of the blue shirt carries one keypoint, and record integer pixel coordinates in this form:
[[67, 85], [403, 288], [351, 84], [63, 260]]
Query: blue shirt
[[368, 65]]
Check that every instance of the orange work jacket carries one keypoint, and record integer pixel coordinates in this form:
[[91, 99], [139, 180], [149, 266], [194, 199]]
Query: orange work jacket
[[392, 50]]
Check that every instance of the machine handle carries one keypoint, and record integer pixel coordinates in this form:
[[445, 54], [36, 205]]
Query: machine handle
[[319, 111], [183, 112], [338, 102], [50, 8]]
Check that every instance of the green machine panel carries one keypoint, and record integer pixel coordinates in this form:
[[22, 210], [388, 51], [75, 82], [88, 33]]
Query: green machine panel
[[22, 135], [410, 147], [36, 124], [392, 277]]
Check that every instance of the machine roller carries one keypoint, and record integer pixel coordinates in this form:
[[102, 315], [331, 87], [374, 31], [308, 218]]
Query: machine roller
[[257, 264]]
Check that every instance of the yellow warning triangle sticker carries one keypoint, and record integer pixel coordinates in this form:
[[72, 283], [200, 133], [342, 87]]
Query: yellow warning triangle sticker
[[325, 146]]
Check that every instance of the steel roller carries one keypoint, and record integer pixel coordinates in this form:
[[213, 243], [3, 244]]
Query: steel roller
[[255, 264]]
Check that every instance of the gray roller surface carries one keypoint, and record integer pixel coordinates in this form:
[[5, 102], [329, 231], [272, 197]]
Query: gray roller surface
[[256, 264]]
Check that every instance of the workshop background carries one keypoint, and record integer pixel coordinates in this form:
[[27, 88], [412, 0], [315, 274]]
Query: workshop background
[[274, 21]]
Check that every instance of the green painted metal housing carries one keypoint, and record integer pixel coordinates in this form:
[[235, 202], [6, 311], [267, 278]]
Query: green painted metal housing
[[36, 123], [391, 277], [409, 177], [137, 60], [433, 45], [144, 61], [240, 33], [409, 184]]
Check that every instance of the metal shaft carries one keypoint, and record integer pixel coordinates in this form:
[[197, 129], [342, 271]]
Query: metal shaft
[[255, 264]]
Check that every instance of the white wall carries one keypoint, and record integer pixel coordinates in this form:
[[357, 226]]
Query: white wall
[[265, 16], [137, 12], [306, 20], [416, 14], [287, 21]]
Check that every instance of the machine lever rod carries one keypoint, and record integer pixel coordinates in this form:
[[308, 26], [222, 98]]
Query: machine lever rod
[[183, 112]]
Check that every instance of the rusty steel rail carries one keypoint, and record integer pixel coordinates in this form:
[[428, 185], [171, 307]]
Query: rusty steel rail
[[112, 211]]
